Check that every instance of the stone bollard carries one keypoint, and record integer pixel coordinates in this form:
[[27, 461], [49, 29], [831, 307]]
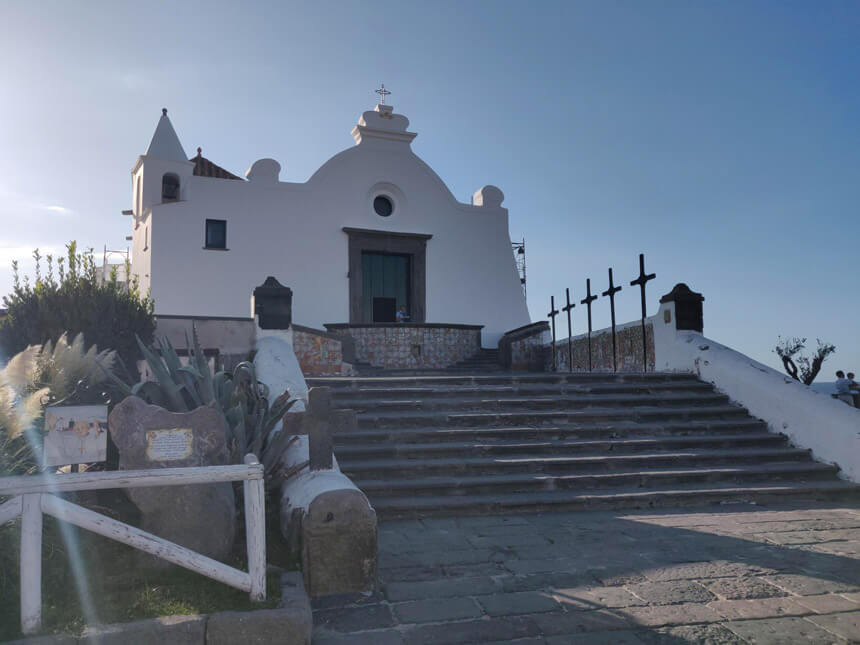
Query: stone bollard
[[325, 518]]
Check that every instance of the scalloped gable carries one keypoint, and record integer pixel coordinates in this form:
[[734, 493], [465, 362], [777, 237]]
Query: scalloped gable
[[382, 123]]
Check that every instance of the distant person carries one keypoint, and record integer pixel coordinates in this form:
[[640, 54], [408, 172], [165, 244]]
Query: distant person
[[401, 314], [854, 389], [843, 385]]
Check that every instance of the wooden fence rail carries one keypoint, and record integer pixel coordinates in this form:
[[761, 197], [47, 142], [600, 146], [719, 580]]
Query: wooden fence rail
[[34, 496]]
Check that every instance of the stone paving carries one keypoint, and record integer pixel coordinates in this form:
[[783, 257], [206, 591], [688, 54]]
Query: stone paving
[[735, 574]]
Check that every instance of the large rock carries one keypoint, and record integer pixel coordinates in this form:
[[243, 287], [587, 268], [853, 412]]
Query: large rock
[[200, 517]]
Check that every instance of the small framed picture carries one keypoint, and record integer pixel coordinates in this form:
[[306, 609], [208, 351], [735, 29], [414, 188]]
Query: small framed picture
[[75, 434]]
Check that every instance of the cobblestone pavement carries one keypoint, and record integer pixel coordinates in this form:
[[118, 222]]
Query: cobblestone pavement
[[748, 574]]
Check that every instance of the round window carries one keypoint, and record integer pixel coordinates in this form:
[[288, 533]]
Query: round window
[[383, 206]]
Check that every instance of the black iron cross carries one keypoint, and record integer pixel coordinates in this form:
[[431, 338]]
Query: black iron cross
[[382, 92], [611, 291], [587, 302], [553, 312], [641, 280], [567, 309]]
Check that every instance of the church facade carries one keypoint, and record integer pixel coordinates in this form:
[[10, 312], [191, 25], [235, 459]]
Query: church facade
[[373, 237]]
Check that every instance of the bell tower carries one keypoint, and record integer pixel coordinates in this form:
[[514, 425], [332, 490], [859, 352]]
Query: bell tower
[[160, 177], [162, 174]]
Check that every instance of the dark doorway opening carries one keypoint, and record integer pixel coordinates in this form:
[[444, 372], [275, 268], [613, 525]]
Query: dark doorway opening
[[386, 286], [411, 249]]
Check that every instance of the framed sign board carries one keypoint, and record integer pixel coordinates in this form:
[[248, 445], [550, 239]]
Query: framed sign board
[[170, 444], [75, 434]]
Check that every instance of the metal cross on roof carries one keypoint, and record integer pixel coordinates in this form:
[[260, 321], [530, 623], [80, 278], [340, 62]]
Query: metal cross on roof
[[382, 92]]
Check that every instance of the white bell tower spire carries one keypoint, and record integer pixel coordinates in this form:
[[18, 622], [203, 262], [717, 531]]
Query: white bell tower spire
[[165, 144]]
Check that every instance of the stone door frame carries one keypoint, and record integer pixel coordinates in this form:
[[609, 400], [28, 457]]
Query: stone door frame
[[411, 244]]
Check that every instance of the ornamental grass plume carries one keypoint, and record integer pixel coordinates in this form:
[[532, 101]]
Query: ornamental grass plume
[[21, 401], [64, 365], [32, 379]]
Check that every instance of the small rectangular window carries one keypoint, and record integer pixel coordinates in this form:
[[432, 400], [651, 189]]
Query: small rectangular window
[[216, 234]]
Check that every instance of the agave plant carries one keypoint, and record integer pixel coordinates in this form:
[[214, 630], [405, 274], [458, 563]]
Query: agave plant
[[238, 396]]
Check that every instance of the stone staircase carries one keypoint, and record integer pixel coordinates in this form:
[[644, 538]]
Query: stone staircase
[[491, 443], [486, 360]]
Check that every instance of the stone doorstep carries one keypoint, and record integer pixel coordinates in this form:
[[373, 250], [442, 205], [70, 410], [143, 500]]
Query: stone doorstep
[[291, 623]]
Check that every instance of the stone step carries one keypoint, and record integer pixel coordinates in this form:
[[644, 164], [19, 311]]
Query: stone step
[[395, 468], [556, 403], [625, 498], [480, 419], [344, 394], [351, 453], [444, 372], [645, 478], [574, 431], [504, 378]]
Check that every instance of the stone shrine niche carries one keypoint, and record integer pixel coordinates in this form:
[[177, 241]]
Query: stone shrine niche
[[688, 307], [273, 305]]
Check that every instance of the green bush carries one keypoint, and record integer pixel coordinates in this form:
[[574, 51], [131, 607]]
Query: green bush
[[108, 312]]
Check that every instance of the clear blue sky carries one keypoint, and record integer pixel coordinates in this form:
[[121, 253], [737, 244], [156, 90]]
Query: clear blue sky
[[720, 138]]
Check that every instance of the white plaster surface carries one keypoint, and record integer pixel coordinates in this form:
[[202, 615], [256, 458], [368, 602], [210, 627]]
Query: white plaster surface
[[277, 367], [293, 231], [300, 491], [813, 420]]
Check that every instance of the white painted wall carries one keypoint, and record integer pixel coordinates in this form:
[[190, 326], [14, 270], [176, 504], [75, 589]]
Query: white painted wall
[[830, 428], [293, 231], [278, 367]]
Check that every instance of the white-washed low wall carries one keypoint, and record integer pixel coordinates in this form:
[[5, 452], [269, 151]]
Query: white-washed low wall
[[813, 420]]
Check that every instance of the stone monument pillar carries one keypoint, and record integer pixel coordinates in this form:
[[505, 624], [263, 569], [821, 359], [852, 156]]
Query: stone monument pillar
[[275, 360]]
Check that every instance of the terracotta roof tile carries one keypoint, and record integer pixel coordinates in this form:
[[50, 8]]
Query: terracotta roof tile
[[205, 168]]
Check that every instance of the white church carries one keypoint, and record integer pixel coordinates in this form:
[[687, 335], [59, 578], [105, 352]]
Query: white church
[[373, 237]]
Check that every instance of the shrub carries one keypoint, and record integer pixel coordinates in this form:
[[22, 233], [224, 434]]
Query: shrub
[[108, 312], [789, 351]]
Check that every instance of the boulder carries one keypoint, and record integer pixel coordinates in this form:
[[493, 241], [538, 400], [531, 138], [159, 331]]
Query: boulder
[[199, 517]]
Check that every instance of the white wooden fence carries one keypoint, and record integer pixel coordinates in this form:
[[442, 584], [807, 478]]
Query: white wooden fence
[[33, 495]]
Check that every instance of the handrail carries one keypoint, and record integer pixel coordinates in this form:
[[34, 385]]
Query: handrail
[[23, 484]]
